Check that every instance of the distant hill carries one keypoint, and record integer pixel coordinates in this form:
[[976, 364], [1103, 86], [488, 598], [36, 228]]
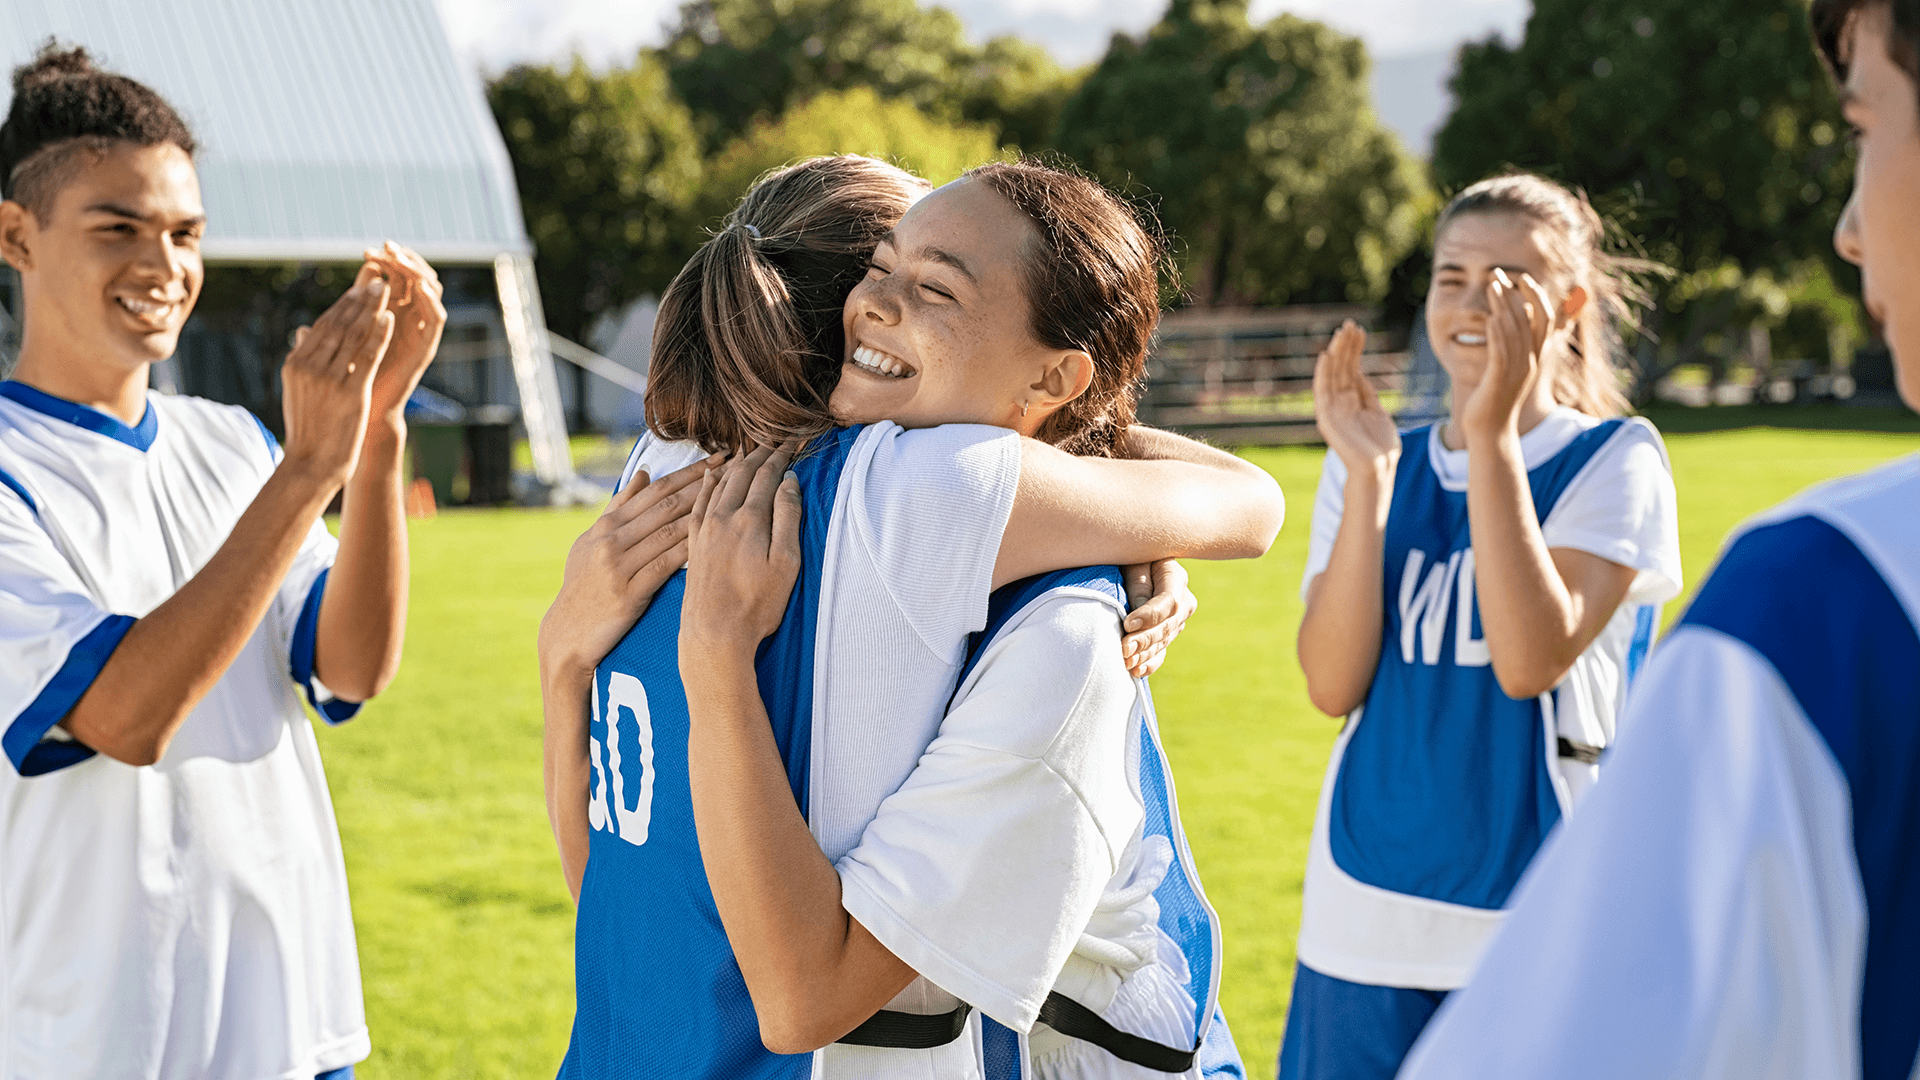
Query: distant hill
[[1410, 94]]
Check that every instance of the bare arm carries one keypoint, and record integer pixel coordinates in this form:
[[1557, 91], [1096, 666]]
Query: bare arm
[[813, 971], [1185, 500], [363, 616], [1339, 643], [1540, 608], [171, 658], [613, 571]]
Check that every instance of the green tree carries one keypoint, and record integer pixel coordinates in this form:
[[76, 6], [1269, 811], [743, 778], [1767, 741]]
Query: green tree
[[1706, 128], [607, 167], [857, 121], [738, 61], [1262, 149]]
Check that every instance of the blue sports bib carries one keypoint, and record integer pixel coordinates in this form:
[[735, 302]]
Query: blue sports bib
[[658, 991]]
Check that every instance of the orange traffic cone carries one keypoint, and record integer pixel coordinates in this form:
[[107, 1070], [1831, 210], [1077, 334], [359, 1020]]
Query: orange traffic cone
[[420, 502]]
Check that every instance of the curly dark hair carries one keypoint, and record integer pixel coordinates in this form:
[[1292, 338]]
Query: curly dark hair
[[64, 109]]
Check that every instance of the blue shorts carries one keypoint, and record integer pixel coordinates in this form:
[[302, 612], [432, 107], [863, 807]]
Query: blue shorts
[[1339, 1030]]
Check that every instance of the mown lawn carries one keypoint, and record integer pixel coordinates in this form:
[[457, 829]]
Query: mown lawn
[[466, 929]]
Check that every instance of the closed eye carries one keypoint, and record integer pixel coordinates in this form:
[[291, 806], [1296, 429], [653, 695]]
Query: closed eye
[[874, 267], [936, 290]]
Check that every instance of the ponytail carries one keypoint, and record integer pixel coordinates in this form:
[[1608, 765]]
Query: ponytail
[[748, 342]]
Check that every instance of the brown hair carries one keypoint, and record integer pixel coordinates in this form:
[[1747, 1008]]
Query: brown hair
[[63, 108], [1833, 22], [1576, 252], [1092, 283], [748, 341]]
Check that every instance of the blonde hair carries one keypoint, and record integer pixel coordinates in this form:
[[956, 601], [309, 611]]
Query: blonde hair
[[1576, 250]]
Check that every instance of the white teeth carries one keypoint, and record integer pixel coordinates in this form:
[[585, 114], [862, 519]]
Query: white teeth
[[147, 309], [880, 363], [1470, 339]]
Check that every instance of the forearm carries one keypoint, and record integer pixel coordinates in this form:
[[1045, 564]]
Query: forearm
[[1527, 613], [363, 616], [1073, 511], [813, 972], [1339, 642], [172, 657], [567, 768]]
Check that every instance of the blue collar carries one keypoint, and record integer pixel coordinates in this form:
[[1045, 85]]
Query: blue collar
[[139, 436]]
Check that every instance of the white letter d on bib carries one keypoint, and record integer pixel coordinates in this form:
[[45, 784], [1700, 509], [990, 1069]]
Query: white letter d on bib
[[626, 695]]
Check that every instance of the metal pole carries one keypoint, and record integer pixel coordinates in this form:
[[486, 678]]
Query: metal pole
[[526, 329]]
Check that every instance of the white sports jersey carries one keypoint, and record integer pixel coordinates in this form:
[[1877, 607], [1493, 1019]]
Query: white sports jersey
[[188, 920], [1740, 898], [1440, 787]]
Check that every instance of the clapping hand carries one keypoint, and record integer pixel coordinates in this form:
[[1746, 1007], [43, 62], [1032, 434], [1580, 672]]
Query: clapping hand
[[419, 318], [1519, 320], [1347, 410]]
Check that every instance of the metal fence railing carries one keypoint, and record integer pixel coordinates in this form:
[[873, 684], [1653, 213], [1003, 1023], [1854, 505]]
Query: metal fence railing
[[1246, 377]]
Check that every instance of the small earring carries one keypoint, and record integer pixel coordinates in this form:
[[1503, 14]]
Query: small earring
[[1023, 408]]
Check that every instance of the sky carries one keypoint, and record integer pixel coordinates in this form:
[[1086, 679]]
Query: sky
[[494, 34]]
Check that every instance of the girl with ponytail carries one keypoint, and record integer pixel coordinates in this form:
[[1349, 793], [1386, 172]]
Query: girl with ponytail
[[1479, 593], [717, 769]]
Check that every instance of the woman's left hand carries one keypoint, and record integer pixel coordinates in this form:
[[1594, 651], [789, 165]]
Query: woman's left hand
[[743, 555], [1162, 603], [1519, 319]]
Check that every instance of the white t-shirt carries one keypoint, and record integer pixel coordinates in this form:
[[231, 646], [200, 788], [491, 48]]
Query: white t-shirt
[[189, 919], [1011, 861]]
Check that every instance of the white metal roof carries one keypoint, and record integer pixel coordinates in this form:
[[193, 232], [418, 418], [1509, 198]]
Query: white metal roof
[[324, 125]]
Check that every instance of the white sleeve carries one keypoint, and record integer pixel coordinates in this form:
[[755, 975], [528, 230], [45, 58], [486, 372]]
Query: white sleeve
[[931, 506], [296, 618], [1329, 502], [1623, 508], [1700, 918], [982, 870], [54, 639], [659, 457]]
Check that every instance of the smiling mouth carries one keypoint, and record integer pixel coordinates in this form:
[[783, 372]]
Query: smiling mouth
[[885, 365], [150, 312], [1469, 339]]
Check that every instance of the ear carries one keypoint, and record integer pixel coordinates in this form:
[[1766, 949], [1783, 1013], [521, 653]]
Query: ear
[[1067, 375], [1575, 303], [18, 229]]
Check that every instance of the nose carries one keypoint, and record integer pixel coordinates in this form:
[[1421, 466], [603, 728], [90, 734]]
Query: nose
[[163, 260], [1846, 235], [873, 300]]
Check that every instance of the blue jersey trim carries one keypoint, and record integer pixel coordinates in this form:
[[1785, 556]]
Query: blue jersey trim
[[344, 1072], [1643, 628], [1000, 1049], [26, 743], [273, 448], [19, 489], [306, 633], [1851, 657], [140, 436]]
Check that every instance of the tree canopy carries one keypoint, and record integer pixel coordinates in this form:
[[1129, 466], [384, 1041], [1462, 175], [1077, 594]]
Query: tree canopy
[[607, 166], [1261, 147], [1704, 127], [737, 61]]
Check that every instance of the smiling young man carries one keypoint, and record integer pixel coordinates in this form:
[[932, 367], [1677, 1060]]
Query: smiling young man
[[172, 897], [1741, 898]]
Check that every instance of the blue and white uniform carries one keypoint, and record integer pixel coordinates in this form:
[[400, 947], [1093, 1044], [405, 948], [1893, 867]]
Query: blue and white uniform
[[1441, 788], [1742, 897], [899, 536], [187, 919]]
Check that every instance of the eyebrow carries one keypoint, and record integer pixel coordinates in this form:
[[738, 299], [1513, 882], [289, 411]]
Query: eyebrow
[[119, 211], [934, 254]]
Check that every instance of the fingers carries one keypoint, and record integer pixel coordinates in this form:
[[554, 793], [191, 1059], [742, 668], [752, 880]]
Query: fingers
[[708, 482], [673, 493], [787, 510], [1139, 582], [634, 487], [737, 479], [767, 480]]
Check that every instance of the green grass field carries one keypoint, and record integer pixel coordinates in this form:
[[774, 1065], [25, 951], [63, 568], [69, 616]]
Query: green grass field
[[466, 929]]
